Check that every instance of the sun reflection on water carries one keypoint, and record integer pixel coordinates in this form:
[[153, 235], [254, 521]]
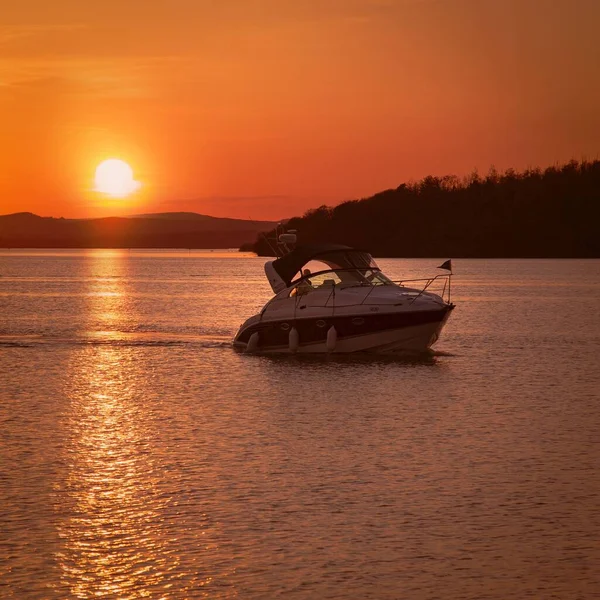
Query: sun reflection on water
[[116, 539]]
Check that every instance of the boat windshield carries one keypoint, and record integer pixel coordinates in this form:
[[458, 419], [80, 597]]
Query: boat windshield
[[349, 261], [316, 258], [338, 277]]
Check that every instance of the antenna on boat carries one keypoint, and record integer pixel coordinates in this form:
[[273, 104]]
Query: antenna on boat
[[274, 250], [285, 239], [282, 241]]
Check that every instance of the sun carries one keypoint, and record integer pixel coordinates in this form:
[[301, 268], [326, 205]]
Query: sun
[[114, 177]]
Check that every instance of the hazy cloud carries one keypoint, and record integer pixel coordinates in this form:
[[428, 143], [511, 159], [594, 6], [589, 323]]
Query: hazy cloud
[[104, 77], [10, 33]]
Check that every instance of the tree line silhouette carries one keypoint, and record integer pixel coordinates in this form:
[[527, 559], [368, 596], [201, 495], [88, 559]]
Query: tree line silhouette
[[534, 213]]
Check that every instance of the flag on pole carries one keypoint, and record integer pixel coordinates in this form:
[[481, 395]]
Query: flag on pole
[[447, 265]]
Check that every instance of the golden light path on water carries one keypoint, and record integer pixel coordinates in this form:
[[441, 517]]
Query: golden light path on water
[[117, 541]]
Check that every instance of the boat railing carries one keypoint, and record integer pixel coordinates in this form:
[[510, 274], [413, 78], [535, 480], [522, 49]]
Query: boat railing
[[444, 280], [428, 283], [440, 284]]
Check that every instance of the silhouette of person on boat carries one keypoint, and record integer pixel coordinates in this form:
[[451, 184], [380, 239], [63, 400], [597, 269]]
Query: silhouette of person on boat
[[305, 286]]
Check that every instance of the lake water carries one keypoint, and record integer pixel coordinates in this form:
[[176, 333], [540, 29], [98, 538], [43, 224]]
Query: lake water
[[142, 457]]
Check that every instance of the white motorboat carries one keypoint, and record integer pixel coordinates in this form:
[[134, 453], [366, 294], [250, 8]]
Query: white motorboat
[[333, 298]]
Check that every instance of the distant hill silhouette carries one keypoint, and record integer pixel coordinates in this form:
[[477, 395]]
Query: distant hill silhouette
[[536, 213], [179, 216], [166, 230]]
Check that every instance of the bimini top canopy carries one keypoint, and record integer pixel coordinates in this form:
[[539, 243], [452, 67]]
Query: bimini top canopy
[[334, 255]]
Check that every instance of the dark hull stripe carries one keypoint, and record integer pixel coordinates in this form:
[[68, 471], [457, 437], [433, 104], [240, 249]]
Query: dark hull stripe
[[314, 330]]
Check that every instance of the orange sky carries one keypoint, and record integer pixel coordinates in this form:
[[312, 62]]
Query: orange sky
[[264, 108]]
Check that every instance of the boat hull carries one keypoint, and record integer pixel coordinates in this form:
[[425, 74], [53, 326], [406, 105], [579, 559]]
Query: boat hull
[[379, 333]]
